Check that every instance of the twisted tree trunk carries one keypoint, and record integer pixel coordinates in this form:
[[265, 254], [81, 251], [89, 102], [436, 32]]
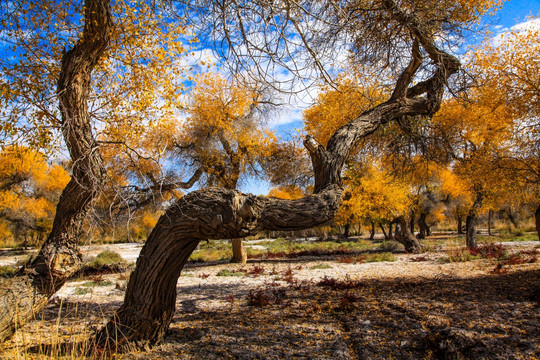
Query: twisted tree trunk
[[405, 237], [220, 213], [24, 295], [212, 213]]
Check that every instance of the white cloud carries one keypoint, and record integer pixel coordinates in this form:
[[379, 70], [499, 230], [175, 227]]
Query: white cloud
[[519, 28]]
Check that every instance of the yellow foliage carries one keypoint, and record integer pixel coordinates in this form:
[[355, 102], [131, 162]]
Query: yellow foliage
[[286, 192], [5, 233], [336, 107], [149, 220], [375, 195], [30, 186], [137, 81], [223, 133]]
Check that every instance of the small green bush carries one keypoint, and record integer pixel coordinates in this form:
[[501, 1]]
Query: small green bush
[[460, 255], [380, 257], [209, 254], [7, 271], [107, 258], [389, 245], [91, 284], [320, 266], [83, 290], [226, 272]]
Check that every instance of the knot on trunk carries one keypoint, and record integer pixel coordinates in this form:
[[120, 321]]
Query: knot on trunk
[[247, 211]]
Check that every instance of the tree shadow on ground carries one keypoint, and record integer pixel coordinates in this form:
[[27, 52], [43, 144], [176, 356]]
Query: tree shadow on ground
[[494, 316]]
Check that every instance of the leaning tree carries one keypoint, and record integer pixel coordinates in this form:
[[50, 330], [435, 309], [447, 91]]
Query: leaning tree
[[28, 292], [40, 33], [405, 39]]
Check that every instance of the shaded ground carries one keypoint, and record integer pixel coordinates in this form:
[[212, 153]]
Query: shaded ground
[[306, 308]]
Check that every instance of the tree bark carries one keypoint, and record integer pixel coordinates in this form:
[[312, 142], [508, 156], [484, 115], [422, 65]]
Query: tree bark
[[372, 232], [470, 222], [220, 213], [26, 294], [459, 224], [384, 231], [405, 237], [211, 213], [239, 252]]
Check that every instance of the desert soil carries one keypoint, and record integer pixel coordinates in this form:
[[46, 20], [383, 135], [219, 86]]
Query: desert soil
[[318, 308]]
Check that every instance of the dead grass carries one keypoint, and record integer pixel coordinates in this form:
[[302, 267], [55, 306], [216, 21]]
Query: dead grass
[[400, 306]]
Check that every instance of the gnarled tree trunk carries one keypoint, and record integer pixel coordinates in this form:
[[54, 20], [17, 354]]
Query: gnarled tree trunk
[[212, 213], [471, 220], [405, 237], [24, 295], [220, 213]]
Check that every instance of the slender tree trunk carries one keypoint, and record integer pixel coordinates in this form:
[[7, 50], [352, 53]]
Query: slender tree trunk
[[239, 251], [411, 222], [390, 235], [470, 222], [26, 294], [424, 227], [405, 237], [346, 232], [537, 221], [490, 212], [372, 232], [384, 231], [460, 225]]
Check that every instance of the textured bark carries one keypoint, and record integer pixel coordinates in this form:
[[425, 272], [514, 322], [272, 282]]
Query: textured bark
[[212, 213], [239, 252], [470, 222], [405, 237], [220, 213], [26, 294]]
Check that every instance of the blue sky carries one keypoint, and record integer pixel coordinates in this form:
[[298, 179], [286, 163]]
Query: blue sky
[[516, 11], [513, 12]]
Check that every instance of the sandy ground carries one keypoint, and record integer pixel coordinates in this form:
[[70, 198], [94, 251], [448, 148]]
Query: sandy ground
[[318, 308]]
